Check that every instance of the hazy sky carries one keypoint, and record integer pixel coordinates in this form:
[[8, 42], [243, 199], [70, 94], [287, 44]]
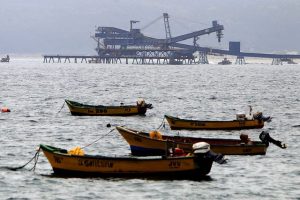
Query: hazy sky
[[65, 26]]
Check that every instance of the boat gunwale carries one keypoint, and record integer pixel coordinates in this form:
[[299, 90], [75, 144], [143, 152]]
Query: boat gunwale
[[208, 121], [56, 151], [84, 106], [165, 137]]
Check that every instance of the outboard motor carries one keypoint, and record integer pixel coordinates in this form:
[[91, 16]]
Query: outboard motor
[[141, 102], [201, 147], [149, 105], [259, 116], [142, 106], [266, 138], [204, 148]]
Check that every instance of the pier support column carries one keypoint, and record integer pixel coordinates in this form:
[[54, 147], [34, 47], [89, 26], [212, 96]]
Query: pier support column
[[276, 61], [203, 58], [133, 61], [240, 60], [165, 61]]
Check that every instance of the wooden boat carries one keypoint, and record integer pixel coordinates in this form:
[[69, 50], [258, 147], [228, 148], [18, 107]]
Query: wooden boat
[[241, 122], [225, 61], [149, 144], [6, 59], [99, 110], [153, 143], [67, 163]]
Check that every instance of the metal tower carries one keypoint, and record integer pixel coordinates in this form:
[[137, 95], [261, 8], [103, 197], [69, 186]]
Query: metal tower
[[167, 27]]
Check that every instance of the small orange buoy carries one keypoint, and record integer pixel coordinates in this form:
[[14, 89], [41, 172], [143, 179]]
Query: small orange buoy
[[5, 109]]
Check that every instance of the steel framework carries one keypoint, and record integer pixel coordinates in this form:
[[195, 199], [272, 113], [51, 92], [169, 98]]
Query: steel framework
[[119, 43]]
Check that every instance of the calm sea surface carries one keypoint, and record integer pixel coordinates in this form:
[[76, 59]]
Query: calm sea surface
[[35, 93]]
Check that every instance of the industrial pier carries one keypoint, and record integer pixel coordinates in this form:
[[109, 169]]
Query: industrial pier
[[116, 45]]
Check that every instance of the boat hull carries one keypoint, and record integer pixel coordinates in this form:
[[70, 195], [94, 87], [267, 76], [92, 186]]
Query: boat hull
[[72, 165], [177, 124], [142, 145], [90, 110]]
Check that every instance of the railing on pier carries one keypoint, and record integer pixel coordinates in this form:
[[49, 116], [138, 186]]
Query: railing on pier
[[60, 58], [135, 59]]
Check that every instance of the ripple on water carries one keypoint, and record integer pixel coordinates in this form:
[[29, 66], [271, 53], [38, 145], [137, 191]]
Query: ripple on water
[[36, 94]]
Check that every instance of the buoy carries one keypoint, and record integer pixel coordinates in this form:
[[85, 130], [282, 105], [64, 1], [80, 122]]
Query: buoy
[[5, 109]]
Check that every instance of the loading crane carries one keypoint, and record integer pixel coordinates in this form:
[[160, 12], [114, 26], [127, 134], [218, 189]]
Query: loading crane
[[119, 42], [115, 36], [115, 44]]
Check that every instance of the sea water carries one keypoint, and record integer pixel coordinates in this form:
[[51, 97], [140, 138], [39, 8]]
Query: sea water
[[35, 92]]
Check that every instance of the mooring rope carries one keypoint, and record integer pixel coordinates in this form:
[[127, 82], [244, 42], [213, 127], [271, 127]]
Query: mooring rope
[[62, 107], [35, 160], [35, 157], [162, 124], [98, 139]]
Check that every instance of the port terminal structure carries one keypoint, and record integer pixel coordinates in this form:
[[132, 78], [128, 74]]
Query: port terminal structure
[[115, 45]]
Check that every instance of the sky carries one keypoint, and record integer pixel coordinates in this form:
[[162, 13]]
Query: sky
[[65, 26]]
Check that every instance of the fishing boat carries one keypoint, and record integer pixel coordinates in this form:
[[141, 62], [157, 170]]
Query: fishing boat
[[77, 163], [225, 61], [99, 110], [5, 59], [154, 143], [241, 122]]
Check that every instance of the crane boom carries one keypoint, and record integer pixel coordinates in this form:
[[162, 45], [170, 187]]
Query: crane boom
[[118, 39], [215, 28]]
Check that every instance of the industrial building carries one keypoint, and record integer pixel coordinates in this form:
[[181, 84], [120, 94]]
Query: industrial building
[[115, 45]]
